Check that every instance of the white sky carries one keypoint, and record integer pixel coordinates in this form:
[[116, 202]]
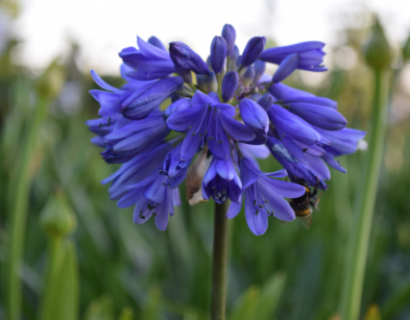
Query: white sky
[[103, 27]]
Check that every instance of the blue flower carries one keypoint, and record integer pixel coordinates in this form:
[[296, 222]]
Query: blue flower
[[264, 196], [209, 121], [252, 115], [308, 55], [151, 197], [186, 59], [229, 34], [252, 51], [218, 53], [310, 171], [221, 181], [139, 103], [149, 62]]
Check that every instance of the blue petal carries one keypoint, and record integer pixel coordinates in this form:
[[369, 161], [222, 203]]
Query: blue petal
[[233, 210], [229, 84], [266, 101], [257, 151], [161, 218], [286, 67], [102, 84], [330, 160], [322, 117], [219, 143], [184, 57], [280, 207], [254, 115], [257, 222], [200, 99], [236, 129], [229, 34], [249, 172], [218, 53], [252, 51], [181, 104], [156, 43], [225, 169], [283, 188], [318, 167], [182, 120]]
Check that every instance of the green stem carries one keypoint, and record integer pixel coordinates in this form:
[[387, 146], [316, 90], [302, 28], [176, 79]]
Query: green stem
[[17, 215], [363, 214], [219, 261]]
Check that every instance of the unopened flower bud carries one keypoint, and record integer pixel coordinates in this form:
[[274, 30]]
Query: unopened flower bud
[[260, 67], [157, 43], [185, 58], [229, 34], [229, 84], [218, 53], [286, 67], [266, 101], [212, 82], [252, 50], [377, 50], [248, 76], [57, 218]]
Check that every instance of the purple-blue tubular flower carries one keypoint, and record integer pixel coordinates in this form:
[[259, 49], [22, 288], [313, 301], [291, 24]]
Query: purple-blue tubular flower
[[151, 197], [255, 118], [140, 103], [149, 61], [252, 50], [218, 53], [209, 121], [221, 182], [260, 68], [248, 76], [137, 169], [297, 170], [319, 116], [136, 136], [157, 43], [185, 58], [229, 84], [264, 196], [176, 106], [174, 167], [286, 67], [310, 55], [266, 101], [229, 34], [259, 116], [288, 95], [343, 142]]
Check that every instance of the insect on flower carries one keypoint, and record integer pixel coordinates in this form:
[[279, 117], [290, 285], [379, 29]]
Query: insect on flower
[[304, 204]]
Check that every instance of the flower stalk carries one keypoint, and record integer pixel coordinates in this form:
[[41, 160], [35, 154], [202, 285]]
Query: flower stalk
[[363, 212], [219, 261]]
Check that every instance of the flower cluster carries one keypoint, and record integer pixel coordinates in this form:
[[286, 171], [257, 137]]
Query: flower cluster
[[224, 113]]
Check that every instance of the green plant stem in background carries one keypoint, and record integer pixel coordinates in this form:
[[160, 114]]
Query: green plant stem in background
[[18, 200], [362, 220], [219, 261]]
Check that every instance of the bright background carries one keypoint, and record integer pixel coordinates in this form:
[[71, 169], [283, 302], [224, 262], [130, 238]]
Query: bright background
[[113, 269]]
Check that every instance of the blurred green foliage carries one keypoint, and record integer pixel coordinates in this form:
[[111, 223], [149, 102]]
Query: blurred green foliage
[[124, 271]]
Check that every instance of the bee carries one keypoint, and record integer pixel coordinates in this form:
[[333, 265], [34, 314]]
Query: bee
[[303, 205]]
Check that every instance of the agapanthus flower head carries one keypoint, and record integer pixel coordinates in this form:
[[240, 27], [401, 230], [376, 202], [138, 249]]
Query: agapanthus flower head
[[222, 115]]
